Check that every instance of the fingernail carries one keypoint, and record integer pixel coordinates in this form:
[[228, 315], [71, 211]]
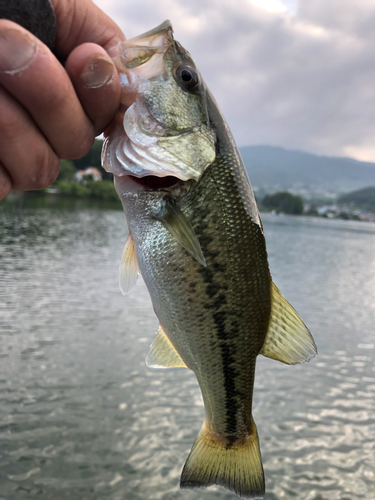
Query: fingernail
[[17, 50], [97, 73]]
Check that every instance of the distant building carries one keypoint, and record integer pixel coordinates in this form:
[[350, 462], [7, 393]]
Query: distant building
[[84, 175]]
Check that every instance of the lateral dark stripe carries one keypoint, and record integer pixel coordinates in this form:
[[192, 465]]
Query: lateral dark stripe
[[215, 290]]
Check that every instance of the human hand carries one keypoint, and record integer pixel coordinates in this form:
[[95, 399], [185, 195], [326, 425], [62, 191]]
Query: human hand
[[48, 112]]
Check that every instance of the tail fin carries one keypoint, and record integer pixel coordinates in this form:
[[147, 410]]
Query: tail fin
[[237, 467]]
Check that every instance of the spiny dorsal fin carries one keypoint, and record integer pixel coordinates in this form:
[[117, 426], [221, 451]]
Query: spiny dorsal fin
[[162, 353], [288, 339], [176, 222], [129, 269]]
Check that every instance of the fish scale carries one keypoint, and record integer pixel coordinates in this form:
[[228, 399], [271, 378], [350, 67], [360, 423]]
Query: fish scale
[[239, 237], [228, 288]]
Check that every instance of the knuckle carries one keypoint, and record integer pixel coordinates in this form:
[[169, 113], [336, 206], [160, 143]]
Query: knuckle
[[79, 147], [9, 126], [5, 183], [47, 169], [59, 96]]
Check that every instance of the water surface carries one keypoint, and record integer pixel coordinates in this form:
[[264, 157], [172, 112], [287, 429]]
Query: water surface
[[82, 418]]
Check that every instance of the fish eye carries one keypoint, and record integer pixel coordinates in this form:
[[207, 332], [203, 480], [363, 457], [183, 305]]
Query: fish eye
[[187, 77]]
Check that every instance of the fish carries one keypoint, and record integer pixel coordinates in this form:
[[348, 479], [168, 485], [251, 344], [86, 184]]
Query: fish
[[196, 237]]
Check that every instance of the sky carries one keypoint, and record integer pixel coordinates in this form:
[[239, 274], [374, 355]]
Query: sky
[[299, 74]]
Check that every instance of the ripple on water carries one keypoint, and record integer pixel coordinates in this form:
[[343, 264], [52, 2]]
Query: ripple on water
[[81, 418]]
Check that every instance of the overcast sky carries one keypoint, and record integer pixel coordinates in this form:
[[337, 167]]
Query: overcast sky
[[293, 73]]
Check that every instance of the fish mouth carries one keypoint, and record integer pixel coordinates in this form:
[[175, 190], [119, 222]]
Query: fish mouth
[[129, 184], [153, 183]]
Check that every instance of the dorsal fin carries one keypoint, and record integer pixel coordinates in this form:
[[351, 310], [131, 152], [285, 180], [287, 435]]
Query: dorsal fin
[[162, 353], [129, 268], [288, 339]]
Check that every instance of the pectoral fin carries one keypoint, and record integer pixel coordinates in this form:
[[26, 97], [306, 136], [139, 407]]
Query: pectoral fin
[[180, 228], [129, 269], [162, 353], [288, 339]]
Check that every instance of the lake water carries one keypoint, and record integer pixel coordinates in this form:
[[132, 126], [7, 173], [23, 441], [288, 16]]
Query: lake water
[[82, 418]]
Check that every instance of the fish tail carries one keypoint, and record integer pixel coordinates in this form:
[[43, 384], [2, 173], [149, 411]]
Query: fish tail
[[237, 467]]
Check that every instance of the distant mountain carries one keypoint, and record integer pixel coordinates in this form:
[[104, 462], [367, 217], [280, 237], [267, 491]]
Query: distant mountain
[[363, 198], [272, 169]]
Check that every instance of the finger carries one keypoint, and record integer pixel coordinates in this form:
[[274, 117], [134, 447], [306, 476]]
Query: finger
[[80, 21], [96, 83], [28, 162], [5, 182], [34, 77]]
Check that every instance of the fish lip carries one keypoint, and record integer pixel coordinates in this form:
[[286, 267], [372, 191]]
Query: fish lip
[[122, 155], [157, 40], [152, 38], [126, 167], [140, 59]]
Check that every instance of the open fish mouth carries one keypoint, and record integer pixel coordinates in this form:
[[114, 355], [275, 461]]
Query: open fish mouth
[[154, 183], [125, 184], [138, 143]]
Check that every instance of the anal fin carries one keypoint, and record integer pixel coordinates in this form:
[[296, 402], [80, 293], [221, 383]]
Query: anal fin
[[129, 268], [162, 353], [288, 339]]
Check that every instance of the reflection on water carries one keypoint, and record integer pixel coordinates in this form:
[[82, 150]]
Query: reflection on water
[[82, 418]]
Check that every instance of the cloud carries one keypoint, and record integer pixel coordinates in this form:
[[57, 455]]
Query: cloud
[[298, 75]]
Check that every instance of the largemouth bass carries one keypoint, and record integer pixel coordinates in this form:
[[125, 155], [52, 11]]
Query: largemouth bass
[[196, 236]]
